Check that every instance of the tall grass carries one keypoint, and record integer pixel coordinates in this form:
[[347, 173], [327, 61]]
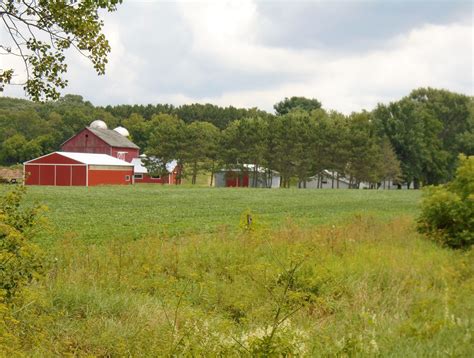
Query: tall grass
[[367, 287]]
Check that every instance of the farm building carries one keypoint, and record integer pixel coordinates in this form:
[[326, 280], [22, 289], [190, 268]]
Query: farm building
[[264, 178], [97, 138], [327, 180], [77, 169], [141, 174], [331, 180]]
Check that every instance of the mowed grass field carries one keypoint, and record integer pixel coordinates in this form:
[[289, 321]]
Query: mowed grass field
[[118, 212], [164, 271]]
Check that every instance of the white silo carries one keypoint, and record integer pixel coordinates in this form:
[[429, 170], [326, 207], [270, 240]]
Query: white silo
[[123, 131], [98, 124]]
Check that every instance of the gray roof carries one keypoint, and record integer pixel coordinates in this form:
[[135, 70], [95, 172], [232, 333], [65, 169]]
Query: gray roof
[[113, 138]]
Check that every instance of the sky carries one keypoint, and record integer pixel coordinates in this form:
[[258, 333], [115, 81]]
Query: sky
[[350, 55]]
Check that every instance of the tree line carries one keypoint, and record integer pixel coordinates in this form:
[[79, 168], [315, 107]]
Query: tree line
[[414, 140]]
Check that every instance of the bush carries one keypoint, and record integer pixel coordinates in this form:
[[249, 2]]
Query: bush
[[21, 262], [447, 211]]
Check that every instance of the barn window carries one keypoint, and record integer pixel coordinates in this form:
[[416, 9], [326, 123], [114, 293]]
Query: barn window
[[121, 155], [155, 177], [127, 177], [138, 176]]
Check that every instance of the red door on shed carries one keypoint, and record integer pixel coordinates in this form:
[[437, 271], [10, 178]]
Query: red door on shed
[[32, 173], [79, 175], [63, 175], [234, 180], [47, 175]]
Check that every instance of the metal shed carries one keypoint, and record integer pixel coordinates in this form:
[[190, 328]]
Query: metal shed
[[237, 178], [77, 169]]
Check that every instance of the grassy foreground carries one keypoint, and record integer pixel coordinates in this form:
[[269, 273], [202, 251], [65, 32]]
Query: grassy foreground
[[362, 289], [163, 271]]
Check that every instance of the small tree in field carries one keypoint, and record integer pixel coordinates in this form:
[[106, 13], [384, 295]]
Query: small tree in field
[[447, 211]]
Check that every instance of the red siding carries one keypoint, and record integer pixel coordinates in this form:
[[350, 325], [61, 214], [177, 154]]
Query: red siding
[[32, 174], [131, 153], [50, 174], [171, 178], [63, 175], [54, 158], [46, 175], [79, 175], [102, 177], [233, 180], [86, 142], [149, 180]]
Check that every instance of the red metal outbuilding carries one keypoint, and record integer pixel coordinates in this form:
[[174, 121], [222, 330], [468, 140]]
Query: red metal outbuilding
[[77, 169]]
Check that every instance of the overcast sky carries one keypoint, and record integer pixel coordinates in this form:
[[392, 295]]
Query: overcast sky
[[350, 55]]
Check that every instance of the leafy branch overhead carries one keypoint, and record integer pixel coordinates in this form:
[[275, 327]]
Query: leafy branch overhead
[[40, 31]]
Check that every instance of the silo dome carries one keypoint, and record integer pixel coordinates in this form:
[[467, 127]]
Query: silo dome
[[123, 131], [98, 124]]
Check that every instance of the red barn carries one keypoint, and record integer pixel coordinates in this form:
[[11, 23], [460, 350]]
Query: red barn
[[77, 169], [99, 139]]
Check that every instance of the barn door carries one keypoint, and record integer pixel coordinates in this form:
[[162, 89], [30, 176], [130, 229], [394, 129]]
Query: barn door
[[63, 175]]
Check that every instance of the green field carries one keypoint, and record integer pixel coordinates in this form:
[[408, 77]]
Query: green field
[[114, 212], [151, 271]]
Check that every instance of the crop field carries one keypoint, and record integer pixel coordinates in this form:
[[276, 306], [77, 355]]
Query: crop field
[[151, 271], [115, 212]]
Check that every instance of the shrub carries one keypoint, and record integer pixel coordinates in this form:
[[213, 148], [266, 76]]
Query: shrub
[[447, 211], [21, 262]]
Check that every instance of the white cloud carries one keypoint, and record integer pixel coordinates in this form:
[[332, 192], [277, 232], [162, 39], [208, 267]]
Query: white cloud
[[436, 56], [211, 52]]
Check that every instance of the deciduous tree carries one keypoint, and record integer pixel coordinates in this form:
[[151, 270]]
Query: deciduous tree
[[40, 32], [288, 104]]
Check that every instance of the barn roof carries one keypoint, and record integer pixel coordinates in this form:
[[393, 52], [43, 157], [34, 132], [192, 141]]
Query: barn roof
[[95, 159], [113, 138], [89, 159]]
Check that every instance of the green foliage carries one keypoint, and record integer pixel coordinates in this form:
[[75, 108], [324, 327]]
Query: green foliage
[[200, 148], [152, 270], [243, 142], [301, 103], [41, 32], [20, 259], [428, 129], [360, 289], [22, 265], [419, 136], [447, 214], [166, 141]]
